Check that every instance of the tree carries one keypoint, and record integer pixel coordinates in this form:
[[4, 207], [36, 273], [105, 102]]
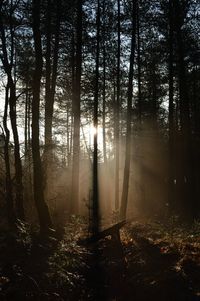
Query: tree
[[42, 209], [8, 184], [95, 209], [11, 86], [51, 78], [171, 104], [104, 86], [76, 111], [185, 174], [117, 108], [124, 199]]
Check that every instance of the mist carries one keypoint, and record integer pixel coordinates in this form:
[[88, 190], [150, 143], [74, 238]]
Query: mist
[[99, 150]]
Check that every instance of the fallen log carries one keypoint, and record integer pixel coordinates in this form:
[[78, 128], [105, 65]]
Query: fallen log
[[112, 231]]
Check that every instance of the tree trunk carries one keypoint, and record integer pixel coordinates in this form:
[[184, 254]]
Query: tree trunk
[[124, 200], [104, 90], [76, 113], [95, 209], [18, 164], [26, 124], [51, 77], [9, 188], [117, 108], [171, 110], [48, 84], [139, 67], [42, 209], [13, 115], [186, 178]]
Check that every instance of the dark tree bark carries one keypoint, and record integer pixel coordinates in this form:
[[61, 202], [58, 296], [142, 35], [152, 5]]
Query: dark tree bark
[[196, 107], [9, 188], [28, 191], [48, 78], [139, 66], [185, 176], [95, 209], [140, 173], [70, 120], [13, 115], [26, 123], [104, 88], [18, 164], [183, 94], [76, 112], [50, 86], [124, 199], [171, 106], [30, 180], [117, 108], [42, 209]]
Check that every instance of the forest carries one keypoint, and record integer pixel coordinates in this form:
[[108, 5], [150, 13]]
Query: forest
[[100, 150]]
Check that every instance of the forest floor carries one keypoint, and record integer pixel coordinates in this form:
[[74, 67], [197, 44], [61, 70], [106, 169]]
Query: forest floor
[[155, 261]]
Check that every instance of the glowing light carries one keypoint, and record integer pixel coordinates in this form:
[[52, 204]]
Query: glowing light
[[93, 131], [90, 131]]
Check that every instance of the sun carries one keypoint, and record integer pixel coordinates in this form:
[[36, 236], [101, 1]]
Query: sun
[[93, 131], [89, 131]]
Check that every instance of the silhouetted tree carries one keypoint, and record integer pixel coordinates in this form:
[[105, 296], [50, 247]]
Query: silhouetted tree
[[51, 78], [124, 199], [95, 208], [117, 107], [76, 111], [42, 208], [11, 86]]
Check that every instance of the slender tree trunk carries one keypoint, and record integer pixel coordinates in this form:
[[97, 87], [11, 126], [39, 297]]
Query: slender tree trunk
[[196, 107], [104, 89], [13, 118], [76, 113], [117, 108], [68, 136], [18, 164], [26, 125], [71, 139], [139, 66], [42, 209], [29, 123], [30, 180], [186, 177], [139, 113], [13, 115], [28, 187], [95, 211], [9, 188], [51, 77], [171, 109], [124, 200], [48, 83], [26, 162], [73, 69]]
